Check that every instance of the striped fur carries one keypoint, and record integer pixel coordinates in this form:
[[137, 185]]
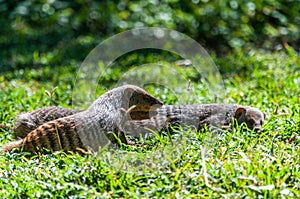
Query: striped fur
[[27, 122], [90, 129], [94, 127]]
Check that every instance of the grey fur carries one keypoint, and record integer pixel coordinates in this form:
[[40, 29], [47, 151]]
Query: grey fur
[[90, 129], [197, 116]]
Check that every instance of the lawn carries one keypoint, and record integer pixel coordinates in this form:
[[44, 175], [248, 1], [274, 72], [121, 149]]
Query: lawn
[[238, 164]]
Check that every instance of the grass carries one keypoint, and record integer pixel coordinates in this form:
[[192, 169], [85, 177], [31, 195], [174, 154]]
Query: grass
[[238, 164]]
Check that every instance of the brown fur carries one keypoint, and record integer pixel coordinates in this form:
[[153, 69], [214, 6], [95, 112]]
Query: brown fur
[[55, 135], [89, 129], [29, 121]]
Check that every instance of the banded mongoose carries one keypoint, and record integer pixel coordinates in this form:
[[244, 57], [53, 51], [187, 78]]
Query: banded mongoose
[[89, 129], [197, 116]]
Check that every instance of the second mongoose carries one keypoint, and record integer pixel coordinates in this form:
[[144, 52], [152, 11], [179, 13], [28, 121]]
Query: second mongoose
[[197, 116]]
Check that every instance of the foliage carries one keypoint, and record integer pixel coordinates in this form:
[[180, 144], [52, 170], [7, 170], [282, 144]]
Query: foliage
[[34, 33], [238, 164]]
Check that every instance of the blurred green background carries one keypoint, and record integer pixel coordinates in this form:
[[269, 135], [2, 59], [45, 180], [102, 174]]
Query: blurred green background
[[53, 32]]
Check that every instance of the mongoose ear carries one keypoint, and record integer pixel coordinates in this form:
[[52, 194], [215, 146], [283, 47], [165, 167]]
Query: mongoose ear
[[239, 112]]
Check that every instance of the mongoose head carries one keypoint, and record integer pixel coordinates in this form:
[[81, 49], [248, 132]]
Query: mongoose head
[[253, 117]]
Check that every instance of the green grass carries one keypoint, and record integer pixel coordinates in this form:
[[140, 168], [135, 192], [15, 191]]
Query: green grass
[[238, 164]]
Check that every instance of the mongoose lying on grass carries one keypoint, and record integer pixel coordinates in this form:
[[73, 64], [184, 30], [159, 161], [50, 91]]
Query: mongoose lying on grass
[[144, 121], [197, 116], [89, 129]]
